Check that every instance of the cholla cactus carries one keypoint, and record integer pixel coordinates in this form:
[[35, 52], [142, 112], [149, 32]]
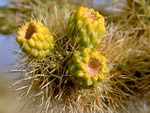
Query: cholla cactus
[[71, 79], [87, 67], [86, 27], [35, 39]]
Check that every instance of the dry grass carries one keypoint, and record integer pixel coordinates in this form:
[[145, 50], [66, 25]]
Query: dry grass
[[134, 25]]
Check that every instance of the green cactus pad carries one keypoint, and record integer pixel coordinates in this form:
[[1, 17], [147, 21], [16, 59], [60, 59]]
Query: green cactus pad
[[86, 26], [35, 39], [87, 68]]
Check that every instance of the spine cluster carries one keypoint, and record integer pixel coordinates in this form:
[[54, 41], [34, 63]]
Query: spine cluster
[[85, 28]]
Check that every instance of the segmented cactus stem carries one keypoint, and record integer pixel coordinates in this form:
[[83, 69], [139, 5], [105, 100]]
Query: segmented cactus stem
[[87, 67], [35, 39], [86, 27]]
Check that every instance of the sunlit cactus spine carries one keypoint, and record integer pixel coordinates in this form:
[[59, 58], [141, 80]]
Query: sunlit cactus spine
[[87, 68], [47, 82], [35, 39], [73, 74], [86, 27]]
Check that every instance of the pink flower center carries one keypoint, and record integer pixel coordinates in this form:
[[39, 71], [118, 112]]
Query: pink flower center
[[93, 67], [91, 15]]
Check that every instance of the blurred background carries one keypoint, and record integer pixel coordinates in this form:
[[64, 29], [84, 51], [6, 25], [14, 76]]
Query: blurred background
[[12, 14]]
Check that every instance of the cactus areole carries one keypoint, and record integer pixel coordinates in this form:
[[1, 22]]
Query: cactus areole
[[86, 27], [35, 39], [87, 68]]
